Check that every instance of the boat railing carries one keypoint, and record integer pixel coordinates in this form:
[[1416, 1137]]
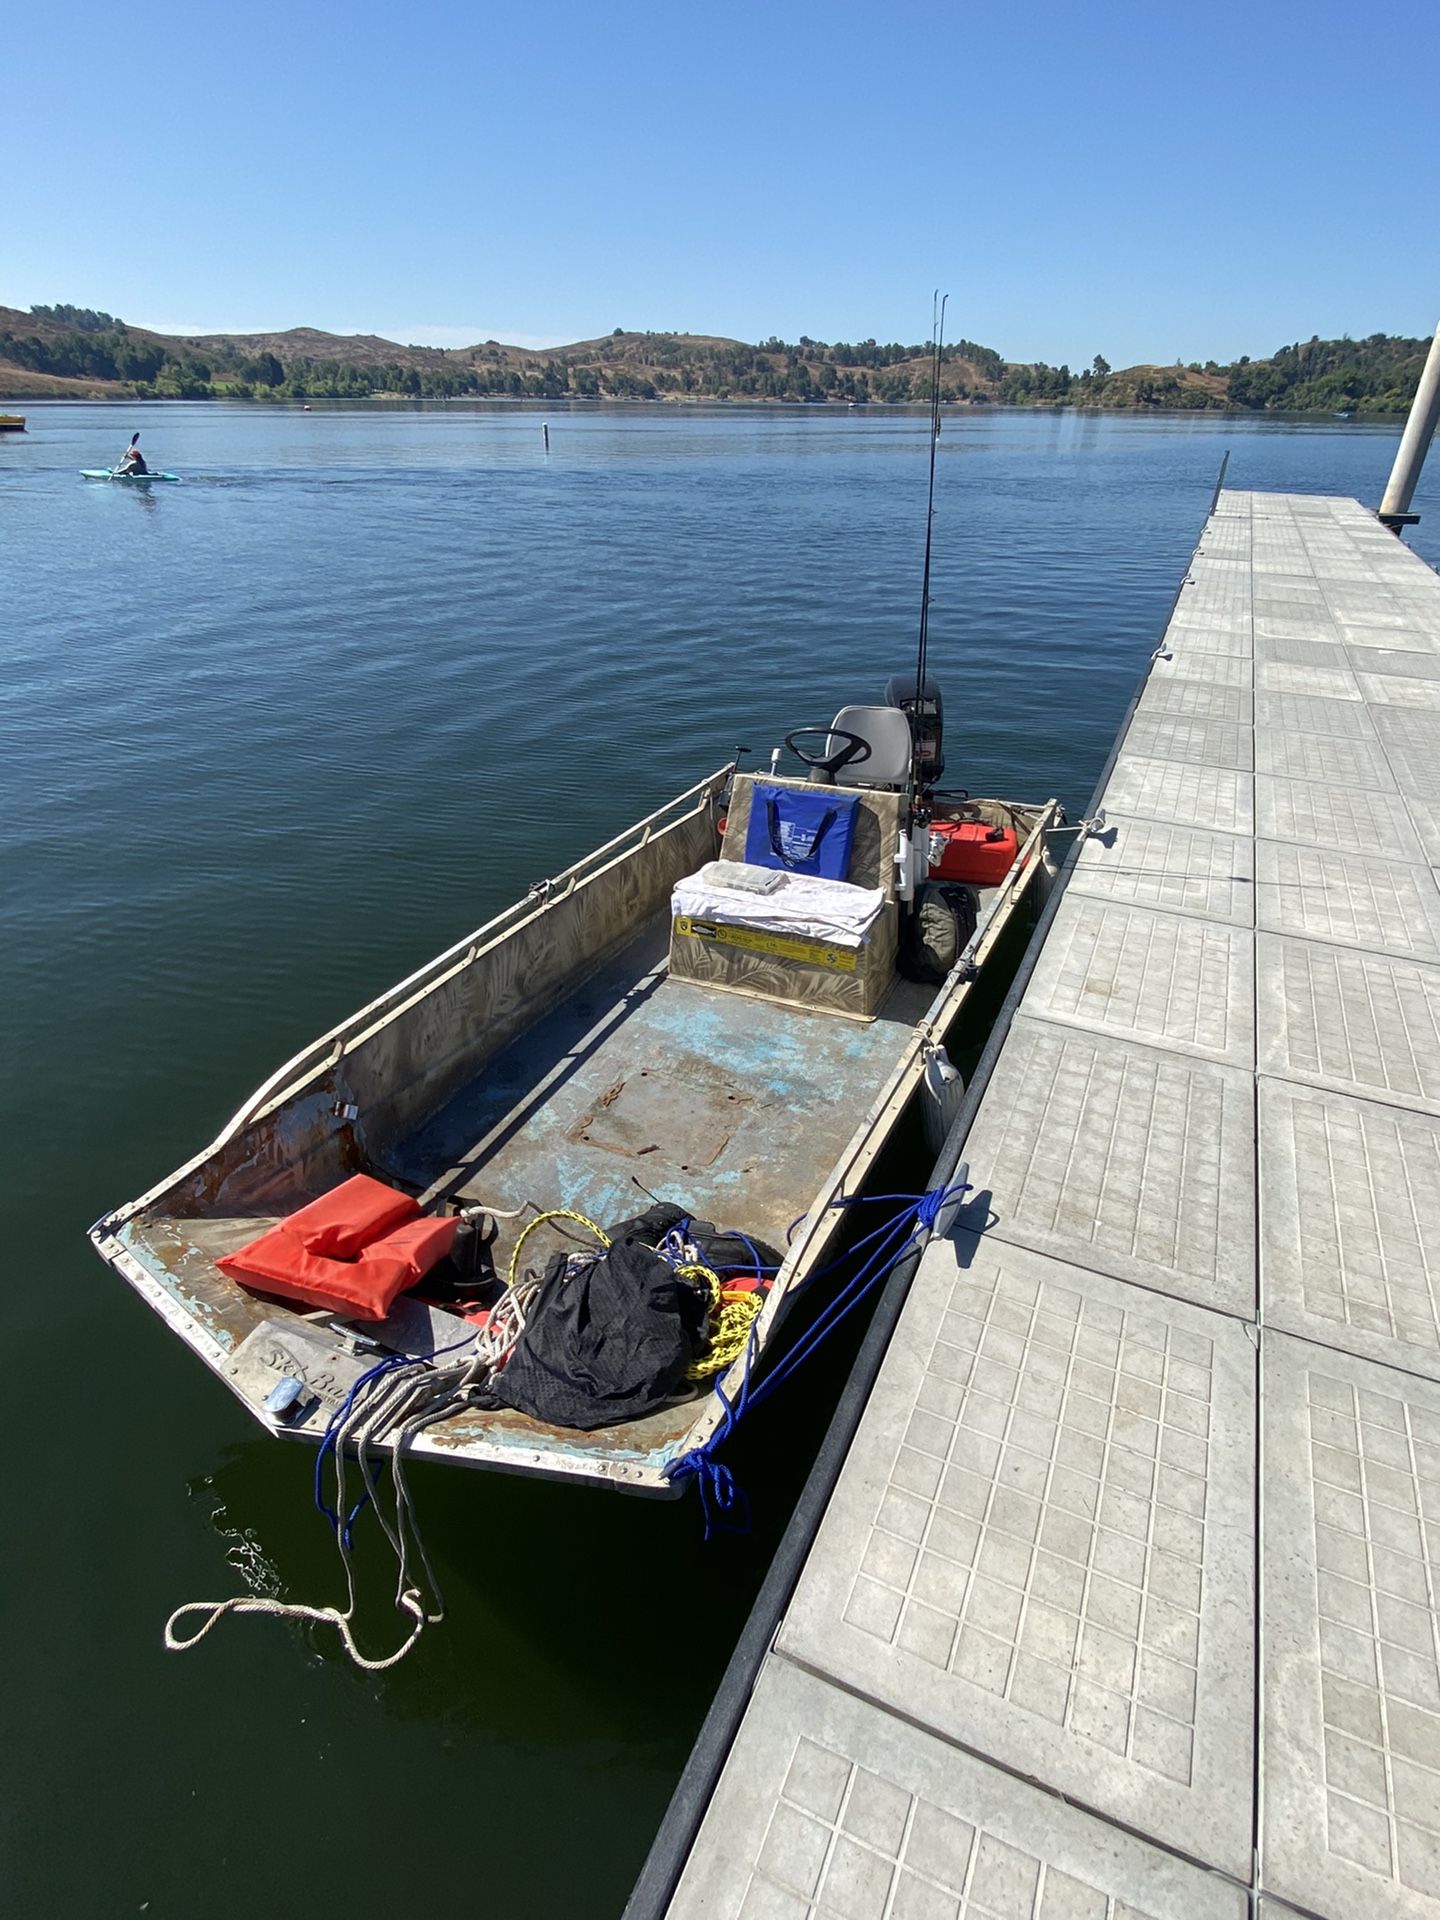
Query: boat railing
[[331, 1047]]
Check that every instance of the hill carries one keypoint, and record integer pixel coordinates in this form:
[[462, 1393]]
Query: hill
[[78, 352]]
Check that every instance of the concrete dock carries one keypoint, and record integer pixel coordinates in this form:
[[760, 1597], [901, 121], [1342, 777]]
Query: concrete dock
[[1126, 1599]]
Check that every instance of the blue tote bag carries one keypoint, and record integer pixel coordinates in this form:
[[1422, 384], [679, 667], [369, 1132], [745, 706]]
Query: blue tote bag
[[801, 830]]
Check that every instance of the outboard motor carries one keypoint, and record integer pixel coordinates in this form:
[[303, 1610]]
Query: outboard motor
[[927, 722]]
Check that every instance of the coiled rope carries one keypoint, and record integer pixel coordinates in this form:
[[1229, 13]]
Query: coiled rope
[[733, 1310]]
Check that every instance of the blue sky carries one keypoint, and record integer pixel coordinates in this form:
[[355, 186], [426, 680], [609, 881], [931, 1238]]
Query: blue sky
[[1146, 182]]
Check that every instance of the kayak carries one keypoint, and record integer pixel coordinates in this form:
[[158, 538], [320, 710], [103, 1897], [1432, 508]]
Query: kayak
[[135, 479]]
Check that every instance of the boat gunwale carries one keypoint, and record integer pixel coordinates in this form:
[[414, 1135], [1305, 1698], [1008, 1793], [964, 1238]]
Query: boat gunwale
[[650, 1475]]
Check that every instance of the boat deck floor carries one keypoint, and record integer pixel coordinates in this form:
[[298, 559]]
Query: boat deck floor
[[732, 1107], [635, 1086], [640, 1086]]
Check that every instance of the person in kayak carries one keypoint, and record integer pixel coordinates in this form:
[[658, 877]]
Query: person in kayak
[[134, 461]]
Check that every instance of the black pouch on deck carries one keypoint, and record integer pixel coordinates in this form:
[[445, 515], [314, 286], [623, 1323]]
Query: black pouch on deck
[[732, 1255], [611, 1342]]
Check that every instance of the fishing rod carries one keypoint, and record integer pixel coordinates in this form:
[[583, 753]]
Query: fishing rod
[[937, 338]]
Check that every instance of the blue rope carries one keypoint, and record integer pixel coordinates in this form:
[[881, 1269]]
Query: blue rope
[[723, 1503], [329, 1439], [749, 1245], [851, 1200], [328, 1443]]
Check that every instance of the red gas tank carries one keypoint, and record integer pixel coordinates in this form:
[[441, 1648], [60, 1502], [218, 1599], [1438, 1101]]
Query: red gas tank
[[969, 850]]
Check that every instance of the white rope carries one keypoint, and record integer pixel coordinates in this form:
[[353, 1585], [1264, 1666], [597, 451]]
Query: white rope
[[504, 1327], [401, 1404], [1096, 823], [482, 1210], [293, 1610]]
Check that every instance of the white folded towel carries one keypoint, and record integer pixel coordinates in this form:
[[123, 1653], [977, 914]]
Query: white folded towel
[[800, 903]]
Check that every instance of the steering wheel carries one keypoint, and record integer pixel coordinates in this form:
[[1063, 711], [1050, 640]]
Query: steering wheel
[[824, 767]]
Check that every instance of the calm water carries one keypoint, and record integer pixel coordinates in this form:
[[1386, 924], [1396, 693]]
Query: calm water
[[267, 740]]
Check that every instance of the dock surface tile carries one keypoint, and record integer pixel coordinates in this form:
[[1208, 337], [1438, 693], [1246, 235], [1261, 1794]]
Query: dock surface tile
[[1351, 1494], [1181, 869], [1127, 1600], [1044, 1549], [1134, 1161], [835, 1808]]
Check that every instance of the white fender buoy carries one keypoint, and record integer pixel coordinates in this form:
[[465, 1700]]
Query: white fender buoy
[[943, 1090]]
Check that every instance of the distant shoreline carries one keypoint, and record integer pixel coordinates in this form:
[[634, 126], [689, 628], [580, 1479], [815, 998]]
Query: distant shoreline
[[680, 402], [83, 353]]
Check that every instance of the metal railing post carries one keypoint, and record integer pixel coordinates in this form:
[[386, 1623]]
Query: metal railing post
[[1414, 444]]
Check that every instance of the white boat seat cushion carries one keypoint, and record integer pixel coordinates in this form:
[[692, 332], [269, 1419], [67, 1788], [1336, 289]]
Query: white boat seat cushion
[[888, 732], [829, 910]]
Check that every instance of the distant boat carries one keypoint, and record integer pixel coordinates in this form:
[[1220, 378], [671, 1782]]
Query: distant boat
[[12, 423], [132, 479], [1342, 416]]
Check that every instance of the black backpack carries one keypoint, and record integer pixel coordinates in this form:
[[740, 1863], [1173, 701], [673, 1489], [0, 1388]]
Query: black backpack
[[937, 930]]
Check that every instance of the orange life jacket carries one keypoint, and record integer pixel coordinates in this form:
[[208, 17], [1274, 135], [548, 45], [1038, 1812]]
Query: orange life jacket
[[353, 1250]]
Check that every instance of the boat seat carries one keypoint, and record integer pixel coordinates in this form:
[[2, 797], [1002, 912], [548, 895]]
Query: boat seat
[[839, 976], [877, 828], [887, 731]]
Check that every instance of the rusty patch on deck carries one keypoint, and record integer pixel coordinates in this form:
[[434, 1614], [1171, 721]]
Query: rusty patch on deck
[[655, 1113]]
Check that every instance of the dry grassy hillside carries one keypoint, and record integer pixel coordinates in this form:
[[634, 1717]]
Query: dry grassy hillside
[[81, 353]]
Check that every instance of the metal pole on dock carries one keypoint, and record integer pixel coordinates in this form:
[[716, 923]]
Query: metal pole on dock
[[1414, 443]]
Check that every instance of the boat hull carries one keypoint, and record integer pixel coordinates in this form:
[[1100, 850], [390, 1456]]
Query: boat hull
[[549, 1060]]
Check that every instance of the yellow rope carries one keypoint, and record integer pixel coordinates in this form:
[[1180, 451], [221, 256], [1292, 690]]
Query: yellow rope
[[733, 1311], [729, 1335], [556, 1213]]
